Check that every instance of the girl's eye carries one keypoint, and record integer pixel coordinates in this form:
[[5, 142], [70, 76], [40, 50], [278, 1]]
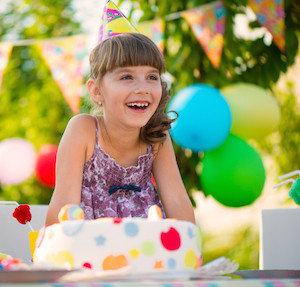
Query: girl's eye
[[153, 77], [126, 77]]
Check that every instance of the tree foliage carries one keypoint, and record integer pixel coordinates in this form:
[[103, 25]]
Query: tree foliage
[[283, 145], [31, 104]]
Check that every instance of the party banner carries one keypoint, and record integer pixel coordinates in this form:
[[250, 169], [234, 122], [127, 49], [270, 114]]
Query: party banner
[[113, 22], [155, 31], [270, 14], [65, 58], [208, 24], [5, 50]]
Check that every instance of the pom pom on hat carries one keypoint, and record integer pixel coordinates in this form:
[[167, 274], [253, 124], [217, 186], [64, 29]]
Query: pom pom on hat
[[113, 22]]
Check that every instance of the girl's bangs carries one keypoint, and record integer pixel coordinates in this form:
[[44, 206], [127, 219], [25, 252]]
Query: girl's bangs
[[131, 51]]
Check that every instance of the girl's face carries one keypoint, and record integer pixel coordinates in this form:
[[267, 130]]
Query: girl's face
[[130, 95]]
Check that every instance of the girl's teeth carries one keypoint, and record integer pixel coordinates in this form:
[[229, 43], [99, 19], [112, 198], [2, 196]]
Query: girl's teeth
[[137, 105]]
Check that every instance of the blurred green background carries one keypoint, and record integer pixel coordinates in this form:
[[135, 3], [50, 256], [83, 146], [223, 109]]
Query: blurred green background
[[32, 106]]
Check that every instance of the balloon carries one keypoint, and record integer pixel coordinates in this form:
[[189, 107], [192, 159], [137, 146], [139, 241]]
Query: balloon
[[233, 173], [17, 160], [45, 166], [204, 119], [255, 112]]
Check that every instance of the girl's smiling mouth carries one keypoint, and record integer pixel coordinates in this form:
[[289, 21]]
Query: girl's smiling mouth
[[138, 106]]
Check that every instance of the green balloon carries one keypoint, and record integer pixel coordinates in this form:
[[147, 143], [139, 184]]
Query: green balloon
[[233, 174]]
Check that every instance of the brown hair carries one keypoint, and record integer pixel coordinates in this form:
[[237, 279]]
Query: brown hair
[[133, 49]]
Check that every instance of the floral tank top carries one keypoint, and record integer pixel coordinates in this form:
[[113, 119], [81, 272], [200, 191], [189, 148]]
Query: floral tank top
[[110, 190]]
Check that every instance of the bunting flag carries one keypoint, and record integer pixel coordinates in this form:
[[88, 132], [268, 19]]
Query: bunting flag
[[270, 14], [64, 58], [113, 22], [155, 31], [208, 24], [5, 50]]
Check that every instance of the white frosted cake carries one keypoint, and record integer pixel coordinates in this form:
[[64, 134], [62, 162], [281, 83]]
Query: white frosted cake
[[142, 245]]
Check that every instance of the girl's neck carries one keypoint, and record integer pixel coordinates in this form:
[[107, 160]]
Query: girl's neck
[[124, 145], [120, 135]]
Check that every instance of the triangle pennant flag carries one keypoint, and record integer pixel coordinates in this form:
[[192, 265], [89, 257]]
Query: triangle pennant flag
[[208, 24], [113, 22], [64, 58], [155, 31], [270, 14], [5, 50]]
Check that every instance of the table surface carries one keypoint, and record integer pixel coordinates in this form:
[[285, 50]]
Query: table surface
[[188, 283], [65, 278]]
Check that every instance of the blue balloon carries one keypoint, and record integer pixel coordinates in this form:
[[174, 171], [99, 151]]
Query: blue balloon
[[204, 118]]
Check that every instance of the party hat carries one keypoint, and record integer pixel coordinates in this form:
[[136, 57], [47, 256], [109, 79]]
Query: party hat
[[113, 22]]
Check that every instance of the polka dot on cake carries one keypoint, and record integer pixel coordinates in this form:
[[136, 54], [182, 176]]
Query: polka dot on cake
[[134, 253], [190, 259], [100, 240], [117, 220], [87, 265], [158, 264], [131, 229], [171, 263], [62, 259], [148, 248], [171, 239], [71, 228], [191, 233], [113, 262]]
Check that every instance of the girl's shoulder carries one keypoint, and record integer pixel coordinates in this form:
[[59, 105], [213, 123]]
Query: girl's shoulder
[[82, 125], [82, 121], [82, 118], [82, 130]]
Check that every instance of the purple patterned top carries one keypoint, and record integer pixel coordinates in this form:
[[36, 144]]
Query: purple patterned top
[[102, 172]]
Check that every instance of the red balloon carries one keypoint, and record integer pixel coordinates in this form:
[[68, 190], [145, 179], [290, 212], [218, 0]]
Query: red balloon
[[45, 166]]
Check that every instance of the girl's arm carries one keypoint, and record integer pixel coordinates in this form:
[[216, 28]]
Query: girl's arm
[[69, 167], [170, 186]]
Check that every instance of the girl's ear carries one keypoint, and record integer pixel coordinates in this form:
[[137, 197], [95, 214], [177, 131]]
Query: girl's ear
[[94, 90]]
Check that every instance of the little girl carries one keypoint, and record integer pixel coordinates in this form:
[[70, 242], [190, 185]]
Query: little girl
[[104, 162]]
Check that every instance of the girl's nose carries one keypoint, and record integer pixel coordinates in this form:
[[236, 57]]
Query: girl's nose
[[141, 91], [141, 88]]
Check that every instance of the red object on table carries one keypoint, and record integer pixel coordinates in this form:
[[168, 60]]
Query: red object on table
[[22, 213]]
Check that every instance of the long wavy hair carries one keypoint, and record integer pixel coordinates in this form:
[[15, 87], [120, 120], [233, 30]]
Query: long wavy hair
[[133, 49]]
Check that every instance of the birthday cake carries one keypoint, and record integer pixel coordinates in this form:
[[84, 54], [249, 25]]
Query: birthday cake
[[142, 245]]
